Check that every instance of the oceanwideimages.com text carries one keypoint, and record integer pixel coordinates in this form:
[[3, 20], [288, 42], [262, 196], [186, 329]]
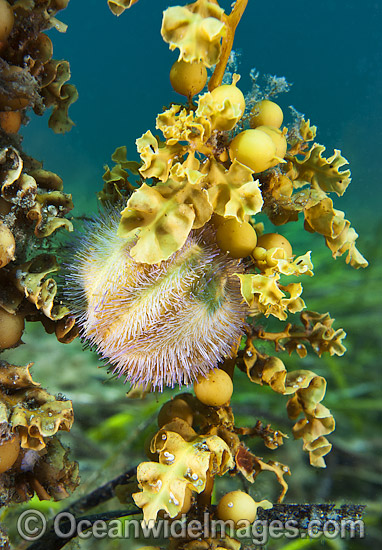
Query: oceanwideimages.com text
[[32, 525]]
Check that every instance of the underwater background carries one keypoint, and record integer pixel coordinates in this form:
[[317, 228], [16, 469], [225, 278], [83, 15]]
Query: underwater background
[[332, 53]]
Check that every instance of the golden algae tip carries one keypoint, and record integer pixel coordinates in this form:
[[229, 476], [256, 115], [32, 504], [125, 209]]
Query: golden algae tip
[[161, 324]]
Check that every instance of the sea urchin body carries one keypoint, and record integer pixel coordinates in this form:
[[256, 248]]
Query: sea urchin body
[[161, 324]]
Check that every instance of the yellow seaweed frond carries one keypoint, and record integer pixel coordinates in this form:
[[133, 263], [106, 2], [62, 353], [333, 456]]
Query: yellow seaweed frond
[[319, 172], [340, 237], [196, 127], [221, 113], [157, 157], [322, 176], [232, 192], [163, 224], [116, 183], [196, 29], [302, 265], [33, 411], [318, 421], [163, 217], [307, 131], [120, 157], [308, 391], [30, 279], [345, 242], [265, 295], [177, 124], [59, 95], [182, 465], [322, 336], [188, 170], [44, 212], [274, 260]]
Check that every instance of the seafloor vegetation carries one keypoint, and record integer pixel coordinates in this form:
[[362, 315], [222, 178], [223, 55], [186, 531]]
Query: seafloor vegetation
[[107, 438]]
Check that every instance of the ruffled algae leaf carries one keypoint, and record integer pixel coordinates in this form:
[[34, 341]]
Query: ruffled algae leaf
[[59, 120], [302, 265], [60, 95], [32, 410], [300, 134], [318, 421], [182, 465], [265, 295], [157, 157], [164, 215], [232, 192], [117, 186], [177, 124], [322, 176], [320, 172], [222, 114], [163, 224], [340, 237], [30, 279], [308, 391], [44, 212], [345, 242], [196, 29]]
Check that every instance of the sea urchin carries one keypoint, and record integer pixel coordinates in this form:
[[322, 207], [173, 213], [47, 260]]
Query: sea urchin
[[161, 324]]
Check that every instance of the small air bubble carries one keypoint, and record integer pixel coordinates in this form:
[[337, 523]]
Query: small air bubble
[[173, 499], [170, 457]]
